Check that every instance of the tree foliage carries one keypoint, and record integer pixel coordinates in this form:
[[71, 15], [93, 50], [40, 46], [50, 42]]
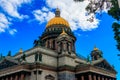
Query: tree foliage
[[115, 13], [98, 6], [116, 29], [115, 10]]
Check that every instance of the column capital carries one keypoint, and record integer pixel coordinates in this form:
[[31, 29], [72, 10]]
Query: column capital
[[90, 77], [106, 78], [6, 78], [11, 78], [98, 77], [16, 77], [94, 77], [103, 78], [82, 77], [109, 79], [22, 76]]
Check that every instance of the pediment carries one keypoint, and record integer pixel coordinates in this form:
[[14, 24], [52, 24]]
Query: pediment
[[104, 64], [49, 77], [5, 63], [64, 37]]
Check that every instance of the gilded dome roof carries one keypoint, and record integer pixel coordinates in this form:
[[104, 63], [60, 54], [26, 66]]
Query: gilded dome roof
[[57, 20]]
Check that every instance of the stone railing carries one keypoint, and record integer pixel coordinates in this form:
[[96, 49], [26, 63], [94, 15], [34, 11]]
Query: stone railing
[[38, 49], [13, 69], [89, 68]]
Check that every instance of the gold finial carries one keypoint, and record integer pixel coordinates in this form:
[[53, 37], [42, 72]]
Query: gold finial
[[63, 32], [95, 48], [20, 51]]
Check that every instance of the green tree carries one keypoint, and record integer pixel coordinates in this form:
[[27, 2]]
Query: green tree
[[96, 5], [114, 5], [116, 29], [115, 13], [115, 10]]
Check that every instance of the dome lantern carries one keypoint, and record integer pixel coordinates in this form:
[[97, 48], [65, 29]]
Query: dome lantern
[[96, 54], [57, 13]]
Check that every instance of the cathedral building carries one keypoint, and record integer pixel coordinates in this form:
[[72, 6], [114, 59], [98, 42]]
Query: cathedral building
[[53, 57]]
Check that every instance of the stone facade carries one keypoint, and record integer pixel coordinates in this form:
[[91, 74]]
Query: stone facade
[[53, 57]]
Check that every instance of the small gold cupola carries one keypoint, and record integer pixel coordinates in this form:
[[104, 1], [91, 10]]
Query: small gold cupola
[[96, 54], [95, 48], [20, 51]]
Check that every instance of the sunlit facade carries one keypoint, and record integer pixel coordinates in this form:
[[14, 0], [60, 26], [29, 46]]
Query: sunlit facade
[[53, 57]]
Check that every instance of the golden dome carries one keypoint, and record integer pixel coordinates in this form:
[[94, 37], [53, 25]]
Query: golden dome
[[57, 20]]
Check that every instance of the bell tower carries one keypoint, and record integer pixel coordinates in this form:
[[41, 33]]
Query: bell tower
[[96, 54], [66, 56], [64, 43]]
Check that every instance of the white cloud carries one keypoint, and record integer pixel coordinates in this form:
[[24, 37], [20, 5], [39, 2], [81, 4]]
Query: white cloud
[[10, 7], [45, 9], [78, 34], [3, 23], [73, 12], [12, 31], [43, 15]]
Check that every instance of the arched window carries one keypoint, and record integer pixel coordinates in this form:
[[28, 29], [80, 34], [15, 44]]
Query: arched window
[[54, 44], [61, 47], [49, 77], [95, 57], [48, 44], [73, 46], [68, 47]]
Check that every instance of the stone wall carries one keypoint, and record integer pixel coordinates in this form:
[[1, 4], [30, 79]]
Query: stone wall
[[49, 60], [66, 75], [43, 75], [65, 60]]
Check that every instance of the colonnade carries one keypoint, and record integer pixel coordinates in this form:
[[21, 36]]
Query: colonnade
[[93, 77], [17, 76]]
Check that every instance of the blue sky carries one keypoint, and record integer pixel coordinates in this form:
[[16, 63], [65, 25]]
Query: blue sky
[[23, 21]]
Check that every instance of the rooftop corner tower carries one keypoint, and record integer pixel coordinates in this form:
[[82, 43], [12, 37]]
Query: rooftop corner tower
[[53, 29]]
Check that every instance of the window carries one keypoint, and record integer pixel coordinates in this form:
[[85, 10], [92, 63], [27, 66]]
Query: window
[[61, 47], [48, 44], [53, 44], [49, 77]]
